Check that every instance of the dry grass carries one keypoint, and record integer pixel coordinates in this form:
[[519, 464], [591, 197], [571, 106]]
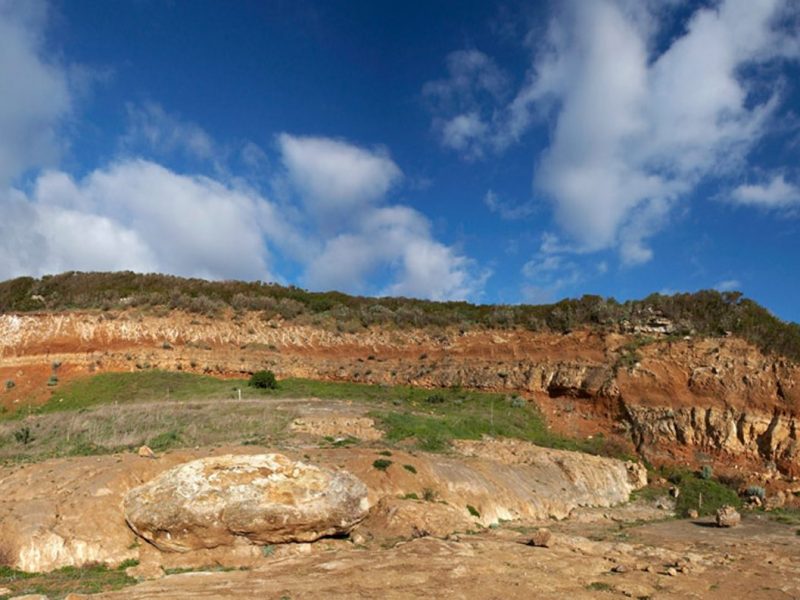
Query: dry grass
[[111, 428]]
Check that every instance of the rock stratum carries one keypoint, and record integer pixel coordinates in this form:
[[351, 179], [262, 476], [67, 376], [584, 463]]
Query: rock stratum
[[673, 397], [213, 507]]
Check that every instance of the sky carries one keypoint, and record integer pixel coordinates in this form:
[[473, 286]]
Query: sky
[[496, 152]]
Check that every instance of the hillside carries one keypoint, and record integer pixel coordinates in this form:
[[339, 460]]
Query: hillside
[[681, 379], [705, 313]]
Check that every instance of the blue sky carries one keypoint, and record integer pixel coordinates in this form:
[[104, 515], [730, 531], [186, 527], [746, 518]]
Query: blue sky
[[496, 152]]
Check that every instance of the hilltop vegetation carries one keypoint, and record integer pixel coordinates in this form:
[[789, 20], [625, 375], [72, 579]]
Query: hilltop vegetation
[[705, 313]]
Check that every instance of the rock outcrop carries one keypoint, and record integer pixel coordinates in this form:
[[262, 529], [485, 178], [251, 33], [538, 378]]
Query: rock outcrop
[[266, 499]]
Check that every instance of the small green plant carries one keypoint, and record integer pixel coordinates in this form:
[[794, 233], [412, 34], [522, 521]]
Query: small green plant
[[473, 511], [10, 384], [755, 491], [518, 402], [706, 472], [600, 586], [411, 496], [52, 381], [23, 436], [264, 380], [382, 464], [385, 453], [165, 441], [268, 550], [435, 399], [429, 494], [410, 469]]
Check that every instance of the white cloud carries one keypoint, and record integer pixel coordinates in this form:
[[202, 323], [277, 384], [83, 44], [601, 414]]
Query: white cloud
[[333, 175], [35, 94], [775, 194], [370, 239], [459, 102], [507, 210], [728, 285], [140, 216], [464, 132], [152, 128], [636, 126]]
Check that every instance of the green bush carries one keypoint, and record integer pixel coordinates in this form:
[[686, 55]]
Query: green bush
[[703, 495], [757, 491], [382, 464], [706, 472], [264, 380], [10, 384], [473, 511]]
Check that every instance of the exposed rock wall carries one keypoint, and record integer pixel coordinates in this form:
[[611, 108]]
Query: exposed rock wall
[[720, 395]]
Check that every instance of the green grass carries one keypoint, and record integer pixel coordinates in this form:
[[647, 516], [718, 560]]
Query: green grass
[[91, 579], [787, 516], [404, 412], [693, 489]]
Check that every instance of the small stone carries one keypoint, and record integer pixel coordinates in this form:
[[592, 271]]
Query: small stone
[[672, 572], [358, 539], [650, 569], [146, 452], [620, 569], [675, 491], [693, 514], [541, 538], [727, 516], [4, 591]]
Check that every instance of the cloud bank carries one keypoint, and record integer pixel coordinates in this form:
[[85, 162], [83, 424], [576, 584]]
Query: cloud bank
[[635, 123]]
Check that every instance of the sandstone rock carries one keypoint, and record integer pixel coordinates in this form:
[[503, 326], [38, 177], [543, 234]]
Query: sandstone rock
[[620, 569], [4, 591], [727, 516], [541, 538], [409, 519], [265, 498], [693, 514], [672, 572], [146, 452]]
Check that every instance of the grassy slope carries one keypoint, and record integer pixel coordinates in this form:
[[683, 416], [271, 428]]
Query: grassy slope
[[102, 414]]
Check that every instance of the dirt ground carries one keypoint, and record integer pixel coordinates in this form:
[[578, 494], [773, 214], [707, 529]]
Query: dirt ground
[[666, 559]]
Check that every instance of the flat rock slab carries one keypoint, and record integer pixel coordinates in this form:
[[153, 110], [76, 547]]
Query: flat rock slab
[[263, 498]]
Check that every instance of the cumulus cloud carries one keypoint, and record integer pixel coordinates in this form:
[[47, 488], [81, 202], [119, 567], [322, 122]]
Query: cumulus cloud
[[371, 239], [637, 124], [333, 175], [777, 193], [140, 216], [35, 94], [462, 102]]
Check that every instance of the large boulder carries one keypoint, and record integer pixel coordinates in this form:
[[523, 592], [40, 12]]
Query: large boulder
[[265, 498]]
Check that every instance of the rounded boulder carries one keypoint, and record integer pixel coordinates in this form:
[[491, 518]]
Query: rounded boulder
[[265, 498]]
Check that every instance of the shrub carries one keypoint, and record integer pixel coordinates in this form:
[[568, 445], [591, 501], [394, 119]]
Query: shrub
[[382, 464], [706, 472], [10, 384], [435, 399], [410, 469], [473, 511], [23, 436], [757, 491], [429, 494], [52, 381], [264, 380]]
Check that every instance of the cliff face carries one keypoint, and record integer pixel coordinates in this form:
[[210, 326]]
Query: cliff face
[[672, 397]]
